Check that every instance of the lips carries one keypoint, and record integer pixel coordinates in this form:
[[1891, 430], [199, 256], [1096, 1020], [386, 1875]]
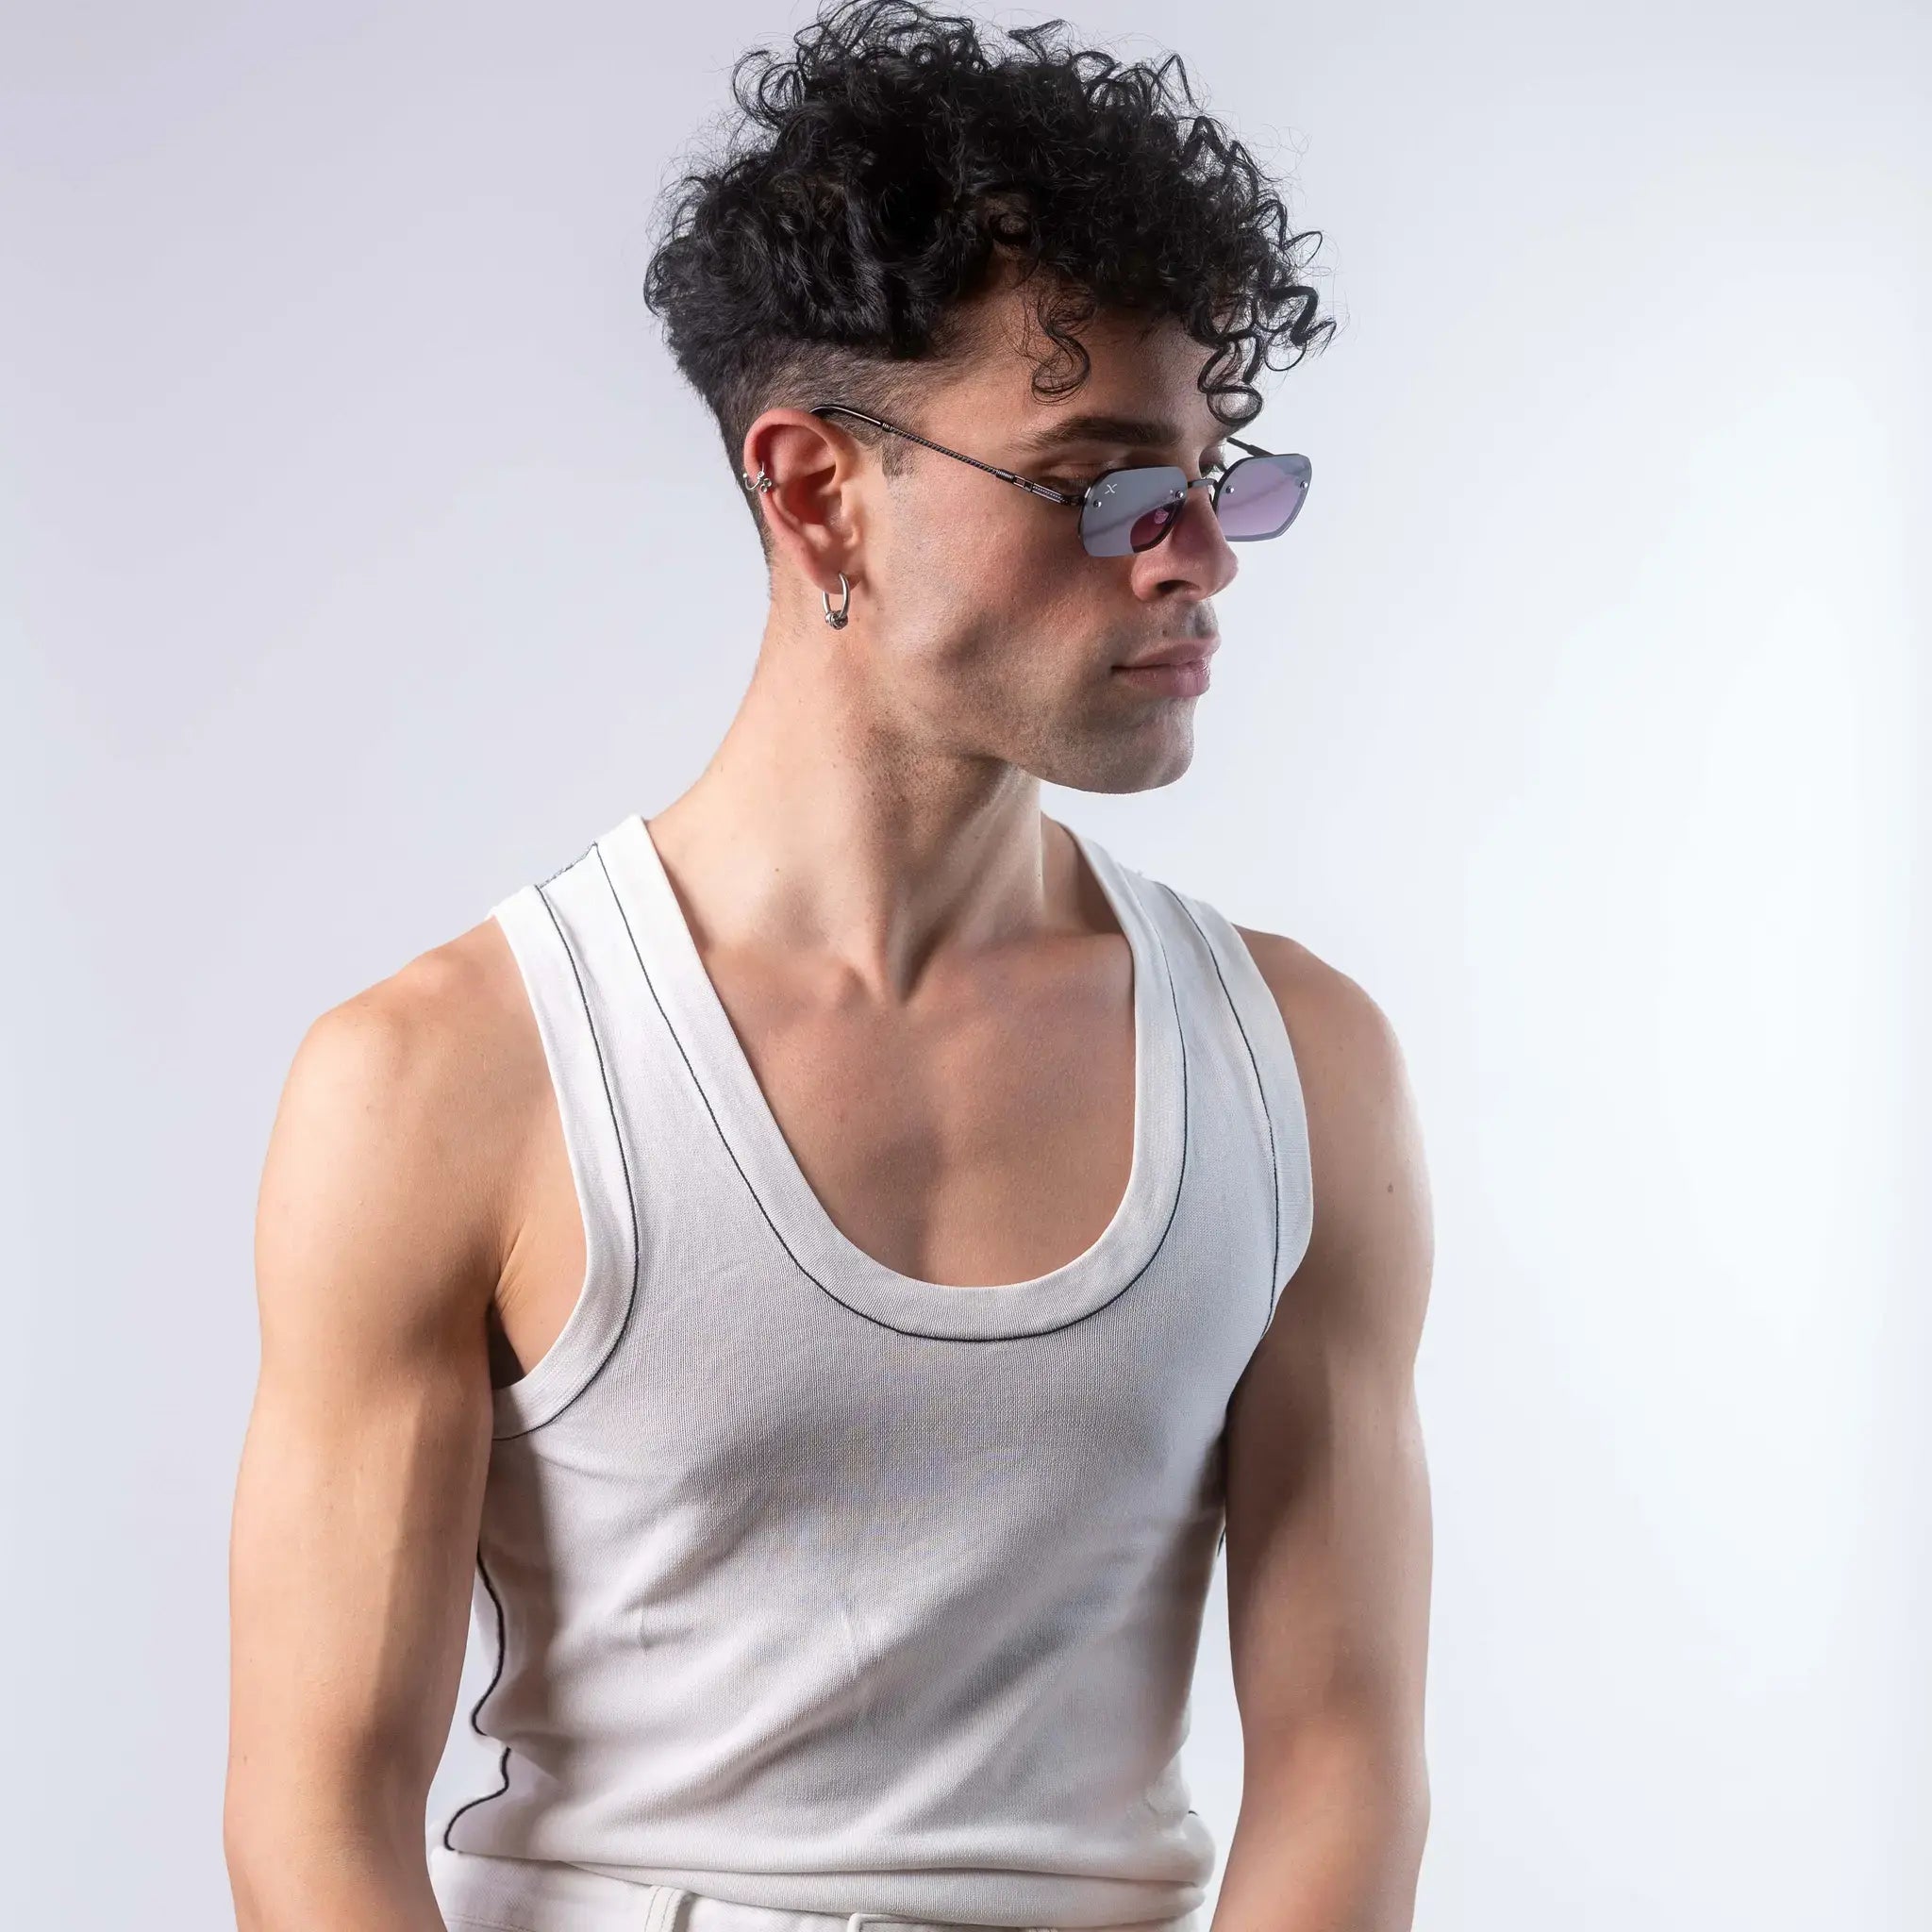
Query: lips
[[1194, 651]]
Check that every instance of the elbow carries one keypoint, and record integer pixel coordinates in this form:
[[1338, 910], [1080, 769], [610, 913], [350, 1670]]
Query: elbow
[[297, 1874]]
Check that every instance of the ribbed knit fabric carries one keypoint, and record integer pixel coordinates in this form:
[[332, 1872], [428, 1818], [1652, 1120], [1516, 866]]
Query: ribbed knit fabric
[[808, 1583]]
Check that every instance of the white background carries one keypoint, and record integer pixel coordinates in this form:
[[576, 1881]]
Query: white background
[[361, 557]]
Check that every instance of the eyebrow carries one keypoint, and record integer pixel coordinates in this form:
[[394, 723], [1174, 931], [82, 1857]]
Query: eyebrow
[[1130, 432]]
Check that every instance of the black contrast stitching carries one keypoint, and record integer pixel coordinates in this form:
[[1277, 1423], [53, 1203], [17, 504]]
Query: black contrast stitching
[[624, 1160], [636, 1249], [925, 1334], [1261, 1091], [502, 1767]]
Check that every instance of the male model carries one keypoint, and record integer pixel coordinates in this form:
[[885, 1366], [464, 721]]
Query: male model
[[820, 1275]]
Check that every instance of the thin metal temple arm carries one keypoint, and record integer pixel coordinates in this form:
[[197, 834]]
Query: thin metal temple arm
[[1045, 489]]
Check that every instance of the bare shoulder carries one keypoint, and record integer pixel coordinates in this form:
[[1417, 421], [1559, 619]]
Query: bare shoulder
[[1345, 1047], [401, 1128], [1370, 1179], [451, 1002], [1318, 1001]]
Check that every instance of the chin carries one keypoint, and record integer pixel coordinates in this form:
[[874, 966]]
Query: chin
[[1155, 752]]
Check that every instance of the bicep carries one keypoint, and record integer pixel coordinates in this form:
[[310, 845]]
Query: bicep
[[361, 1474], [1328, 1531]]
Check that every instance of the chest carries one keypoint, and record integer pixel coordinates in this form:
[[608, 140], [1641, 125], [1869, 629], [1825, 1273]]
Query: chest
[[978, 1135]]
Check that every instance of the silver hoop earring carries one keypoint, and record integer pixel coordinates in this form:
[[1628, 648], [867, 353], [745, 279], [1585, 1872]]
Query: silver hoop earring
[[763, 484], [836, 618]]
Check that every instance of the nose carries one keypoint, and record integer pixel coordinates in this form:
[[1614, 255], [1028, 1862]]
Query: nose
[[1193, 554]]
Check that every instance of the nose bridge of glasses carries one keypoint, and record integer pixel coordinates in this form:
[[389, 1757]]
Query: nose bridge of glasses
[[1179, 502]]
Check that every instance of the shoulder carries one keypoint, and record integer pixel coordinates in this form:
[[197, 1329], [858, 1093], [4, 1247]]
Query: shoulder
[[406, 1116], [1347, 1059], [1336, 1026], [452, 1022], [1369, 1175]]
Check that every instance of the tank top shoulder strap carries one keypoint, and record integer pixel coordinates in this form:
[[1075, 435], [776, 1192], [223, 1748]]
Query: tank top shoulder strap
[[567, 936], [1270, 1053]]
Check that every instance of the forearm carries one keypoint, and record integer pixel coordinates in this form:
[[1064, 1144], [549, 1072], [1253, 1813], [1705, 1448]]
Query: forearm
[[1337, 1854]]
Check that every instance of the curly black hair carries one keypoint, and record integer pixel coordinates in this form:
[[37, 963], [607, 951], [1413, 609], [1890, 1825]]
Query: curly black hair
[[869, 183]]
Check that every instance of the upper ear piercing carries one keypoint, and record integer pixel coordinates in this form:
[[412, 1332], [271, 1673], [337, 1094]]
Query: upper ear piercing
[[763, 483]]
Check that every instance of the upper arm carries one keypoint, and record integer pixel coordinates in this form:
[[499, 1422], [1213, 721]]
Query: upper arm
[[361, 1474], [1328, 1528]]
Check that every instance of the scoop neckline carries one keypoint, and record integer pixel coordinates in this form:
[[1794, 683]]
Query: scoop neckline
[[1119, 1255]]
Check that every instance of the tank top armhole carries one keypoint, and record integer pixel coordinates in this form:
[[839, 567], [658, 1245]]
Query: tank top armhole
[[1259, 1015], [586, 1104]]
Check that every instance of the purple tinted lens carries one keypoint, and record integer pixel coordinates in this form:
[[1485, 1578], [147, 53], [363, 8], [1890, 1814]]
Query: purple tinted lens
[[1260, 496], [1131, 509]]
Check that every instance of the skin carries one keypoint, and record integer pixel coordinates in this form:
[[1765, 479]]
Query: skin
[[935, 999]]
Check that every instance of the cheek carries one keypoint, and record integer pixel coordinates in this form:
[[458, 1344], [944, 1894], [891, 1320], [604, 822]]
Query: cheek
[[1027, 569], [986, 586], [980, 525]]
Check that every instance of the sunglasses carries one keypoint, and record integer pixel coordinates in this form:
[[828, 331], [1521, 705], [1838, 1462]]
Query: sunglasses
[[1127, 511]]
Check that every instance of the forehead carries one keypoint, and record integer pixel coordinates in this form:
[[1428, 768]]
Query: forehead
[[1142, 386]]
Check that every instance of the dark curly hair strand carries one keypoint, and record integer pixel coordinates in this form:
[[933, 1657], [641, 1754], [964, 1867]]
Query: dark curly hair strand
[[870, 181]]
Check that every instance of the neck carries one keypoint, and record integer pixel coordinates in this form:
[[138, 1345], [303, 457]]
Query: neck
[[824, 824]]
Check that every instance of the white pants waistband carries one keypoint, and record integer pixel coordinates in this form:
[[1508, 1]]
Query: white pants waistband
[[481, 1893]]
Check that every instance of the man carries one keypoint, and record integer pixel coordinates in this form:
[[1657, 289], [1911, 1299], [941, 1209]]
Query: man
[[820, 1273]]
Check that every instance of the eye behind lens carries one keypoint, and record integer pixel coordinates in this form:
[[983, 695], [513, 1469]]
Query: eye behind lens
[[1114, 520]]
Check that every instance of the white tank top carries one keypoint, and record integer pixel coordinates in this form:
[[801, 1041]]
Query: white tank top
[[812, 1584]]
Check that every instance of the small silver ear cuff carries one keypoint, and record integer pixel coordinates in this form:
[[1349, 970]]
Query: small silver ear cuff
[[761, 484]]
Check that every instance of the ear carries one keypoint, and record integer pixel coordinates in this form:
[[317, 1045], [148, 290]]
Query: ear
[[812, 508]]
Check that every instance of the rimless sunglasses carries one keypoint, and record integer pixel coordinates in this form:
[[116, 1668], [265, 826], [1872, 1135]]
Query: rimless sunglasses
[[1126, 510]]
